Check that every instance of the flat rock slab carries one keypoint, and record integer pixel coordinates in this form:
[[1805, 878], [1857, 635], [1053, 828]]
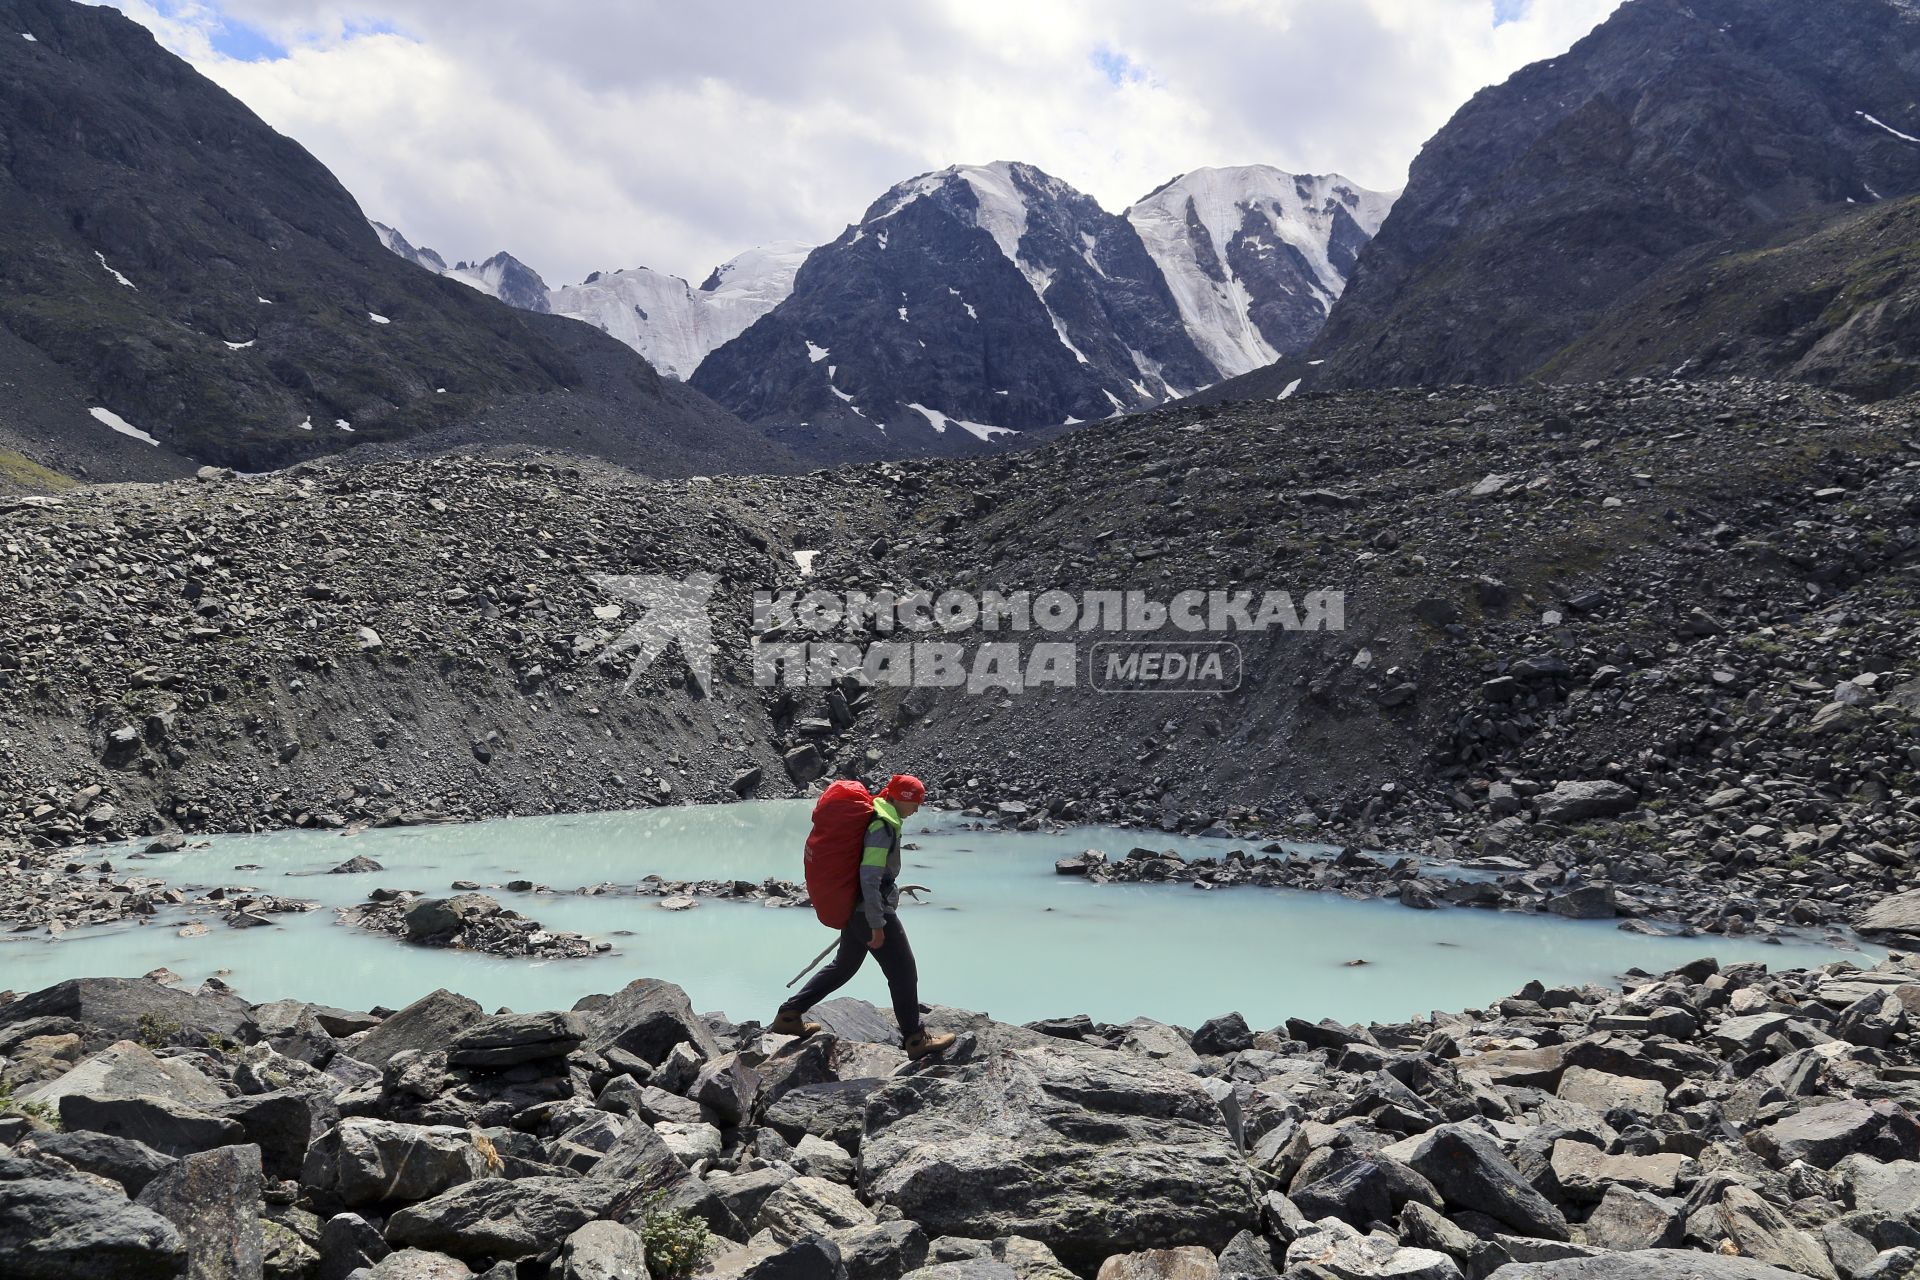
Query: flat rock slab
[[1088, 1151], [432, 1022], [1602, 1091], [495, 1218], [1646, 1264], [111, 1009], [171, 1128], [1823, 1135], [128, 1070]]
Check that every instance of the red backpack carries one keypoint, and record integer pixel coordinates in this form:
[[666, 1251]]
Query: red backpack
[[840, 819]]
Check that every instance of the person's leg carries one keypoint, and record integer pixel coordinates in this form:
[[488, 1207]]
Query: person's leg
[[903, 976], [839, 971]]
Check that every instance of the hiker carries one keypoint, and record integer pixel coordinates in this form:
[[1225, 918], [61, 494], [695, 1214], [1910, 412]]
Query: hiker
[[874, 922]]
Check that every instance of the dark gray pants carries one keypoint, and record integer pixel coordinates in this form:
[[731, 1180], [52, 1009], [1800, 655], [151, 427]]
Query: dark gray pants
[[896, 962]]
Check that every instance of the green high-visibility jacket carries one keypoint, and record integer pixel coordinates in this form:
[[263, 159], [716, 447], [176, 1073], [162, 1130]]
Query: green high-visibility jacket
[[880, 865]]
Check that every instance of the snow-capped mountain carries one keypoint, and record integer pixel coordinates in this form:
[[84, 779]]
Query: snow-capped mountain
[[987, 296], [1256, 256], [502, 276], [670, 322]]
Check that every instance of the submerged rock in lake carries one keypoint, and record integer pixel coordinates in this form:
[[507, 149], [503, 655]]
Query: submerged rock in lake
[[468, 921]]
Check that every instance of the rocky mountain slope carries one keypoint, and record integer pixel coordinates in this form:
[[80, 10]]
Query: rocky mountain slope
[[1256, 257], [673, 324], [1675, 124], [982, 298], [1833, 300], [1697, 599], [203, 282]]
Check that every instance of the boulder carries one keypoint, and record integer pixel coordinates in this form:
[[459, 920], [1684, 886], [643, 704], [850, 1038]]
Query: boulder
[[171, 1128], [347, 1243], [1580, 801], [1226, 1034], [131, 1164], [432, 1022], [111, 1009], [1248, 1257], [53, 1229], [494, 1218], [1333, 1248], [432, 918], [1823, 1135], [1627, 1219], [418, 1264], [1470, 1173], [509, 1039], [603, 1251], [1588, 902], [816, 1258], [283, 1124], [1585, 1173], [744, 1193], [1884, 1186], [882, 1251], [822, 1159], [293, 1029], [129, 1070], [649, 1018], [1761, 1232], [1088, 1151], [1646, 1264], [970, 1269], [1602, 1091], [213, 1198], [364, 1161], [1188, 1262], [835, 1111], [728, 1087], [1364, 1190], [1898, 913], [848, 1018], [807, 1207]]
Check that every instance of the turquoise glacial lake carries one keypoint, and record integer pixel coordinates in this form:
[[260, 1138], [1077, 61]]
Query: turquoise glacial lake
[[1000, 932]]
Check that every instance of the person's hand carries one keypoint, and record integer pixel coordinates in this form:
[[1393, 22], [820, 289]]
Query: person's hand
[[877, 940]]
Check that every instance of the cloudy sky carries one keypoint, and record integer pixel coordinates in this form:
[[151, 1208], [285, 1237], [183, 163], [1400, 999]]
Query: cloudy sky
[[588, 135]]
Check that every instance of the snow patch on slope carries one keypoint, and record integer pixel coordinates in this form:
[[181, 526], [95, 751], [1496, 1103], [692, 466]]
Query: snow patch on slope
[[1904, 137], [115, 274], [978, 430], [121, 425]]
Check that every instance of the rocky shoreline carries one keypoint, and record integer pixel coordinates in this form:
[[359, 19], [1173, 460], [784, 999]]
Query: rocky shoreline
[[1718, 1123]]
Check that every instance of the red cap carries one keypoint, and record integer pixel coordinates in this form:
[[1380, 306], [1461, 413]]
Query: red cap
[[904, 786]]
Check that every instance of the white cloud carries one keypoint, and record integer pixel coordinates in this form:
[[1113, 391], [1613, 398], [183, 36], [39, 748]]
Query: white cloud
[[600, 134]]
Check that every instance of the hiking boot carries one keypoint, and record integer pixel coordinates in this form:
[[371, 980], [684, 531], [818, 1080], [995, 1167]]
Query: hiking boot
[[921, 1044], [789, 1023]]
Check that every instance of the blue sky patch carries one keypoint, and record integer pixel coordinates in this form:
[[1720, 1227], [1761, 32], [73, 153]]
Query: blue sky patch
[[1117, 67], [1505, 11], [243, 43]]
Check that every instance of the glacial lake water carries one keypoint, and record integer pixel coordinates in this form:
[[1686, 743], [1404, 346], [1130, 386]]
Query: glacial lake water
[[1001, 931]]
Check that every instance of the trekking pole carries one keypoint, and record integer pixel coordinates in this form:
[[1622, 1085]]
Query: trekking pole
[[815, 962]]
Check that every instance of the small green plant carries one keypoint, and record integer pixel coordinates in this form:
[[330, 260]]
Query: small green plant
[[156, 1032], [676, 1242], [38, 1111]]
